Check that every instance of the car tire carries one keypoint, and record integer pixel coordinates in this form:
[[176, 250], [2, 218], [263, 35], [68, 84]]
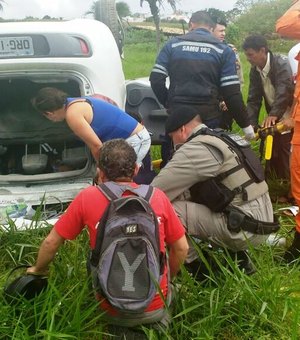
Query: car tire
[[106, 12]]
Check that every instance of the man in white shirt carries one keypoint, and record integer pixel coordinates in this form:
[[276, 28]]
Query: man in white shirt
[[271, 81]]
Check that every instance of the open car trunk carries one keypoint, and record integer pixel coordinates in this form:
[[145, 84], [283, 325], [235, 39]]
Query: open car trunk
[[43, 165], [31, 146]]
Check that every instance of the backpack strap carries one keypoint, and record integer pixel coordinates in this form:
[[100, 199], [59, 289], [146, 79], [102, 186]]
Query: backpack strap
[[237, 148], [112, 190], [109, 191]]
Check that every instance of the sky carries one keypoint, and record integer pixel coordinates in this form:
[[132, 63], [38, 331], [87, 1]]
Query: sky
[[68, 9]]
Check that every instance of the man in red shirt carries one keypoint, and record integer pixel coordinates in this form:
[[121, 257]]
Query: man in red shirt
[[117, 163]]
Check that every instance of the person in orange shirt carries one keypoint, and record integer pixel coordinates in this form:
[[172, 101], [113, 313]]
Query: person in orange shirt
[[289, 26]]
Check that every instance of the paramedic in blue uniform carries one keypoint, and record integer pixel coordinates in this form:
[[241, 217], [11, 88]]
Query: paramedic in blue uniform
[[201, 69]]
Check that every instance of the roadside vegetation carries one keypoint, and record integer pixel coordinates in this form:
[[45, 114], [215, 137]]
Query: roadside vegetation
[[226, 305]]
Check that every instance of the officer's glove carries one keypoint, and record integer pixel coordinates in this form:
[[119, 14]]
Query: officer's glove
[[249, 132]]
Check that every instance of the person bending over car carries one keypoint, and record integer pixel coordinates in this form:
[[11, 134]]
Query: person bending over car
[[219, 198], [93, 120], [117, 167]]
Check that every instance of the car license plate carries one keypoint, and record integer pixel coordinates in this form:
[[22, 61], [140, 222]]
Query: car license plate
[[16, 46]]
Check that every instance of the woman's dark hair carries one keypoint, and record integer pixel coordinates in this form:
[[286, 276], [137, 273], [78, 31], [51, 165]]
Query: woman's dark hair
[[117, 159], [49, 99]]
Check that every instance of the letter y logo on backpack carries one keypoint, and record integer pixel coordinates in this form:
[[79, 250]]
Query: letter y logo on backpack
[[127, 258]]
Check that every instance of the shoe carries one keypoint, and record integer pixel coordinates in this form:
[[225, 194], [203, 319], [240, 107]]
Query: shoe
[[243, 261], [293, 252]]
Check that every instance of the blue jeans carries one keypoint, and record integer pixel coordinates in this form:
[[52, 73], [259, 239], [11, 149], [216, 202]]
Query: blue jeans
[[141, 143]]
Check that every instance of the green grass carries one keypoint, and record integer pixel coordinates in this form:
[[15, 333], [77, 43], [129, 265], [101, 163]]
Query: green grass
[[139, 57], [228, 305], [139, 60]]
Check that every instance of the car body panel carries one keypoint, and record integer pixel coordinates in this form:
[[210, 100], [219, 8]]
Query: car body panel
[[98, 72], [104, 63]]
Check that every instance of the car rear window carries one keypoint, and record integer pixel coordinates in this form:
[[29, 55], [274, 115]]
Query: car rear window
[[43, 46]]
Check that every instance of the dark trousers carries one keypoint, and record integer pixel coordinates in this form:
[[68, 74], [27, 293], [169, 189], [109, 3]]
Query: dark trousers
[[279, 164]]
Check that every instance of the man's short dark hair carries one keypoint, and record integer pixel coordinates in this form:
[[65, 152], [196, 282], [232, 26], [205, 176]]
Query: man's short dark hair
[[221, 21], [49, 99], [202, 18], [117, 160], [218, 21], [256, 42]]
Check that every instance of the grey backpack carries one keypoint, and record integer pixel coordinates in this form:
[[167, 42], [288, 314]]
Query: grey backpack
[[127, 263]]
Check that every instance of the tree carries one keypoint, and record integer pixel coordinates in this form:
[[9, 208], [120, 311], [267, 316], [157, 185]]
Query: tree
[[233, 34], [215, 14], [123, 9], [154, 8], [245, 5], [269, 11], [233, 14]]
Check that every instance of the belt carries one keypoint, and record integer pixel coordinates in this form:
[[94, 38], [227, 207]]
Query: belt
[[237, 220]]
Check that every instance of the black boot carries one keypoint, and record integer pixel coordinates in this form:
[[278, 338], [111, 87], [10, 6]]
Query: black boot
[[293, 252]]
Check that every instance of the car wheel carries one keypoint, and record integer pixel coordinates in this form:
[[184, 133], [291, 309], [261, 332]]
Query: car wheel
[[105, 11]]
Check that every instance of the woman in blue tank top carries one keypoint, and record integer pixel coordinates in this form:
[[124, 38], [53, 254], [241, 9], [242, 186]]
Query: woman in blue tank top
[[93, 120]]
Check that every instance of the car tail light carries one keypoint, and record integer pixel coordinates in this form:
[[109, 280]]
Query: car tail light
[[84, 47]]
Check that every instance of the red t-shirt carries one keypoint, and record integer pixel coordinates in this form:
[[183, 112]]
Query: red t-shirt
[[87, 209]]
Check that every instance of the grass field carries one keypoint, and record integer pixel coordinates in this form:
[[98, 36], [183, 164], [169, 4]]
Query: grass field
[[226, 305]]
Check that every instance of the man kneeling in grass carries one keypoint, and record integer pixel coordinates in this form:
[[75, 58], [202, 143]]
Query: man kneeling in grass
[[221, 198], [117, 166]]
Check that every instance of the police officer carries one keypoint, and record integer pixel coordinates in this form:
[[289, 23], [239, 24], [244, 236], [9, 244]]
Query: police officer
[[217, 171]]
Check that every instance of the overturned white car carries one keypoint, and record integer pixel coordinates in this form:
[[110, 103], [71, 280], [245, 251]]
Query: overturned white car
[[45, 164]]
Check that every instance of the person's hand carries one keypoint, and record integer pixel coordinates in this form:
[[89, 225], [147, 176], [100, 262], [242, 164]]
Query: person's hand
[[269, 121], [223, 106], [289, 123], [33, 271], [249, 132]]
